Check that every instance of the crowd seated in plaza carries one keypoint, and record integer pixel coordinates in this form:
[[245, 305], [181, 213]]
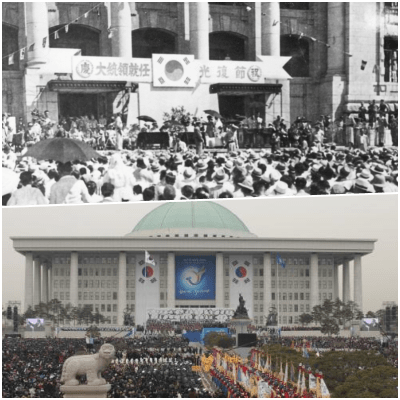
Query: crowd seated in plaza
[[101, 328], [154, 367], [159, 326], [313, 166]]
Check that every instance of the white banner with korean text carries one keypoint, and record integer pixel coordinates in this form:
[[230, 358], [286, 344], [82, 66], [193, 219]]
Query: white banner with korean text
[[112, 69], [178, 70], [241, 281], [147, 287]]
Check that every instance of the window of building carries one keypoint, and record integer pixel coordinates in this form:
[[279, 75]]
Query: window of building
[[330, 296], [319, 285], [307, 308], [273, 272], [296, 273], [290, 272], [108, 307], [290, 284], [319, 296], [290, 296], [149, 41], [79, 295], [115, 307], [67, 296], [307, 284], [272, 296], [296, 296], [103, 295], [296, 284], [109, 270], [79, 271], [261, 284], [132, 295], [226, 296], [61, 295], [324, 273], [108, 284], [301, 284], [294, 6], [261, 272], [255, 308], [227, 46], [85, 271], [301, 272], [301, 296], [324, 296], [97, 296], [255, 285], [103, 307], [390, 47], [330, 273], [301, 307], [296, 308], [85, 295], [261, 296], [284, 296], [284, 308], [307, 272], [90, 283], [85, 283], [255, 296], [284, 284], [325, 284], [90, 295], [307, 296], [103, 270], [273, 284], [290, 307], [115, 295]]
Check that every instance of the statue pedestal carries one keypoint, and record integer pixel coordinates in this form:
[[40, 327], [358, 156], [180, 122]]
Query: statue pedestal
[[240, 325], [85, 391]]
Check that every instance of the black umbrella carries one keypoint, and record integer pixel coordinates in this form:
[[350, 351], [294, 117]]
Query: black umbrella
[[62, 150], [215, 114], [146, 118]]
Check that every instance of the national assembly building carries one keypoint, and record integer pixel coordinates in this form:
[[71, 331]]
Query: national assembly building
[[191, 255]]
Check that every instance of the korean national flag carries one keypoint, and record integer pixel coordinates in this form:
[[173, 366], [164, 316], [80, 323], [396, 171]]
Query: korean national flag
[[149, 259]]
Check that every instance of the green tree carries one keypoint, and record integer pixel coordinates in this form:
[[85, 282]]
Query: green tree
[[305, 319], [329, 326], [380, 381], [370, 314]]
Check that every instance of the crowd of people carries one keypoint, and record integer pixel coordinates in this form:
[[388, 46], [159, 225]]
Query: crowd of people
[[153, 367], [160, 327], [306, 162]]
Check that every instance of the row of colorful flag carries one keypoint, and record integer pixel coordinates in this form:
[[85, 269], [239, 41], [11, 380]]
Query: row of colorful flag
[[31, 47]]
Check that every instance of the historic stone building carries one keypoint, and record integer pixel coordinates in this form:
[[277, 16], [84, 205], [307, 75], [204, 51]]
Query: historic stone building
[[203, 256], [341, 53]]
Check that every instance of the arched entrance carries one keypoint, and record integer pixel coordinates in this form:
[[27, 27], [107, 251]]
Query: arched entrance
[[81, 37], [9, 45], [298, 48], [148, 41], [227, 45]]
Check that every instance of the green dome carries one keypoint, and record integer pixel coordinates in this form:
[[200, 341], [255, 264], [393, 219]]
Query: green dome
[[191, 219]]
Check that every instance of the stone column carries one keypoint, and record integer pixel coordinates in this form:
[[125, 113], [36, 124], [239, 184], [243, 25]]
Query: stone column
[[346, 281], [336, 37], [314, 289], [45, 283], [171, 280], [36, 282], [121, 287], [270, 33], [219, 281], [28, 281], [121, 40], [199, 30], [358, 281], [73, 284], [267, 283], [37, 28], [335, 281], [51, 282]]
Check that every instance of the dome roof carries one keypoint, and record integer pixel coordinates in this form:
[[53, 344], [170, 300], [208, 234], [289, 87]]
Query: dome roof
[[191, 219]]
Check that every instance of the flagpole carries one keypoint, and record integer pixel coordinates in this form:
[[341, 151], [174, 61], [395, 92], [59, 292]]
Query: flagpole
[[278, 272]]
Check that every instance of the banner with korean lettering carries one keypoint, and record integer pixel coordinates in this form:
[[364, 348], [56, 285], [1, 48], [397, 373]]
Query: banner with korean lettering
[[226, 71], [241, 281], [112, 69], [147, 287]]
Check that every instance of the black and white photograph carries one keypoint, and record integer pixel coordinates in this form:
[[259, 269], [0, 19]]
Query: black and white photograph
[[127, 102]]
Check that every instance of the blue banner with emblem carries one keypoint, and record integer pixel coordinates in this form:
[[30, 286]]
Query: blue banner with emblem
[[195, 277]]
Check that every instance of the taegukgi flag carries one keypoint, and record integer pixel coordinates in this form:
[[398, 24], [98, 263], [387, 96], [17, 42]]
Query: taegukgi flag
[[149, 259]]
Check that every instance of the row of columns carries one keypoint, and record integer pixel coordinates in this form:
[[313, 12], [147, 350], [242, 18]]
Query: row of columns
[[38, 281], [267, 29], [314, 285]]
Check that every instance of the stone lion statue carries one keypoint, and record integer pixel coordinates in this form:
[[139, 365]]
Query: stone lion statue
[[90, 365]]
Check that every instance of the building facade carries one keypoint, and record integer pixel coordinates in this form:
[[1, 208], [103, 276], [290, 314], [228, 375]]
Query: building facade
[[341, 54], [202, 255]]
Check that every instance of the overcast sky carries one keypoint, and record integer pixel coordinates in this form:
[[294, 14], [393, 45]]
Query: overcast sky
[[360, 216]]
